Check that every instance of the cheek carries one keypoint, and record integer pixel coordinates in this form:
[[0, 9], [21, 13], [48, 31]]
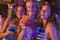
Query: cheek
[[41, 13], [28, 8], [47, 15], [29, 14], [21, 15], [18, 15]]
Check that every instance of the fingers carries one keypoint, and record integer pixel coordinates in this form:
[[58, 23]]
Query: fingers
[[41, 36], [9, 32]]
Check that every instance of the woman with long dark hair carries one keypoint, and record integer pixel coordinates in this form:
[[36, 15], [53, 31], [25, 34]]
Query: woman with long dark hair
[[48, 22]]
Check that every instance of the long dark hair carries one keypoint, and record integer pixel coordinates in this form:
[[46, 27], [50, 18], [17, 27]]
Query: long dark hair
[[13, 15], [51, 18], [23, 8]]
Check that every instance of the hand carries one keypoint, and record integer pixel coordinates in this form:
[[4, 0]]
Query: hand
[[21, 25], [42, 36], [9, 32]]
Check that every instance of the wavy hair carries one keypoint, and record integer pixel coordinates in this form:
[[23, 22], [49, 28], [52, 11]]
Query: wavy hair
[[51, 18]]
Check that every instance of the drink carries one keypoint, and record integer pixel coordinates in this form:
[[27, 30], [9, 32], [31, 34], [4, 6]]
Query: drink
[[40, 33], [12, 29]]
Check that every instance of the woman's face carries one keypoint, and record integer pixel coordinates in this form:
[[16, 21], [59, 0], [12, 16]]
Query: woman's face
[[45, 12], [31, 9], [20, 12]]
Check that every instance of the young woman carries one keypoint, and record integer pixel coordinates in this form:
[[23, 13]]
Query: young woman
[[20, 11], [48, 22], [25, 30], [18, 15], [31, 7]]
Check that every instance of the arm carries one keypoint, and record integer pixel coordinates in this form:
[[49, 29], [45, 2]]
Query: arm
[[52, 31], [20, 35], [18, 28], [5, 34], [6, 22]]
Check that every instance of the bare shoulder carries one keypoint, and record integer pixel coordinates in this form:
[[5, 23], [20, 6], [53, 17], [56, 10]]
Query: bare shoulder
[[51, 27]]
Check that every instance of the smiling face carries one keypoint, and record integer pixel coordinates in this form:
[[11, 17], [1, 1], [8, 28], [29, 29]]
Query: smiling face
[[31, 8], [45, 12], [20, 12]]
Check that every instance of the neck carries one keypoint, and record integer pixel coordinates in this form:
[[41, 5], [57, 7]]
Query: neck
[[44, 22]]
